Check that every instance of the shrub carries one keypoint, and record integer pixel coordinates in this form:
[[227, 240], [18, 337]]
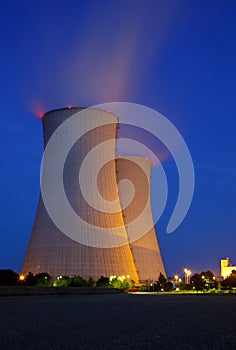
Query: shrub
[[43, 279], [119, 282], [91, 282], [144, 288], [102, 282], [77, 281], [168, 286], [61, 281]]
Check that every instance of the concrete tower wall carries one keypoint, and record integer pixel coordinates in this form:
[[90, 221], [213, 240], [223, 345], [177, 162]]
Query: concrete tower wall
[[137, 210], [52, 251]]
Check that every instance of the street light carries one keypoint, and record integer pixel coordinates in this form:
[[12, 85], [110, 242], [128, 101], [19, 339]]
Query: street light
[[21, 279], [187, 274], [176, 279]]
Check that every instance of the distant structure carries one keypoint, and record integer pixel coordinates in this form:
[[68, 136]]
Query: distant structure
[[226, 268], [145, 249], [52, 251]]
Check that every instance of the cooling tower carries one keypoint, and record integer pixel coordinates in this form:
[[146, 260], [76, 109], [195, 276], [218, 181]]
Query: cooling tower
[[50, 248], [137, 214]]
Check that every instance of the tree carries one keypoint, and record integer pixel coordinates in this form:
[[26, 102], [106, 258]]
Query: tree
[[132, 284], [30, 280], [8, 278], [203, 281], [119, 282], [230, 281], [91, 282], [61, 281], [208, 275], [197, 281], [103, 282], [161, 281], [43, 279], [208, 280], [77, 281]]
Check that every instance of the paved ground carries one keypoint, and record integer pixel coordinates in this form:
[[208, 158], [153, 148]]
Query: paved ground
[[118, 322]]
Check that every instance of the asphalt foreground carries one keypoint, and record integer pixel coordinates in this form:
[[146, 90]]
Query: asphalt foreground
[[118, 321]]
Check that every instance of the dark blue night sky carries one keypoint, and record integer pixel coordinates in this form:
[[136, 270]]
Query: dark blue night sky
[[177, 57]]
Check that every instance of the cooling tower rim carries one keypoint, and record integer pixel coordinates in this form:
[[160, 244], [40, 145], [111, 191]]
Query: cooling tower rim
[[54, 110], [74, 108]]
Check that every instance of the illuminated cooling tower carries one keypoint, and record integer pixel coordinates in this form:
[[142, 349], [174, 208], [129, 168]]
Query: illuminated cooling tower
[[137, 215], [50, 250]]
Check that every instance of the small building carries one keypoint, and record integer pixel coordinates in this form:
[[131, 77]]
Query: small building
[[226, 268]]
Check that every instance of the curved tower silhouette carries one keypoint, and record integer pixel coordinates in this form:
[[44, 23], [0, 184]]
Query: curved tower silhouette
[[142, 235], [50, 250]]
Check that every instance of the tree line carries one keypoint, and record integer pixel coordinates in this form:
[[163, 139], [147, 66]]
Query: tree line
[[204, 281]]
